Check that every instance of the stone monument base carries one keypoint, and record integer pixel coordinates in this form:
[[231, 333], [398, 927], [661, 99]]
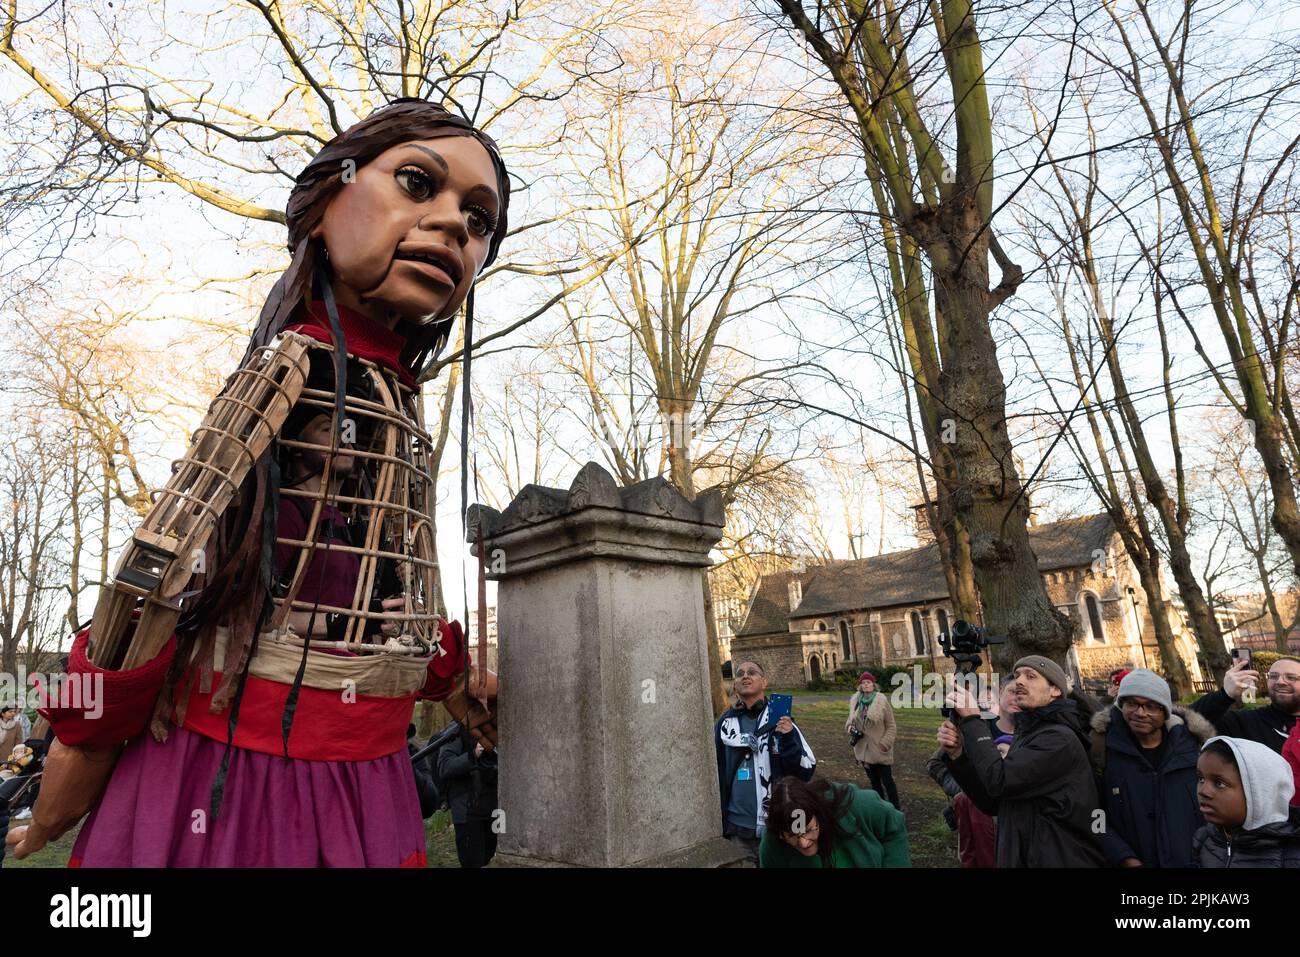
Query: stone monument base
[[717, 852]]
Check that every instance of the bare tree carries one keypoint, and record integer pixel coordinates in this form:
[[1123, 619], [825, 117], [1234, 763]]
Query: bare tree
[[1224, 190], [889, 60], [1234, 495], [713, 203], [33, 507]]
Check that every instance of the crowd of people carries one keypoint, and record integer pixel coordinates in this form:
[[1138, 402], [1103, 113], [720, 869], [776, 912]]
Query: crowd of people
[[1045, 776], [23, 745]]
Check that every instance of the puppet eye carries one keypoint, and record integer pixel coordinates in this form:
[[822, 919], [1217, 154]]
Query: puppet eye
[[481, 222], [415, 181]]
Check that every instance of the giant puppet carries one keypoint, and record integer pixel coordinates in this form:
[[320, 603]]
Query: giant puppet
[[269, 627]]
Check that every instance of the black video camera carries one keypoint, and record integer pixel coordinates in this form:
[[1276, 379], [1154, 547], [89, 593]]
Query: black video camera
[[963, 644]]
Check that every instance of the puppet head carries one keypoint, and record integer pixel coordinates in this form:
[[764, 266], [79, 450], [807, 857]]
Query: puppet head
[[413, 199]]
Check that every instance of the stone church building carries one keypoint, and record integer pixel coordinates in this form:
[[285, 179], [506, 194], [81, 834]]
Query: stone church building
[[889, 610]]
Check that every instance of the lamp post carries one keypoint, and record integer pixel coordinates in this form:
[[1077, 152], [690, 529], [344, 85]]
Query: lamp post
[[1137, 620]]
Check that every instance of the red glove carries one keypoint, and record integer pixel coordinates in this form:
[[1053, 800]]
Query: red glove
[[448, 665]]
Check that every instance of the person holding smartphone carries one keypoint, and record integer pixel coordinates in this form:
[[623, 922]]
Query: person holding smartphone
[[1269, 725], [753, 754]]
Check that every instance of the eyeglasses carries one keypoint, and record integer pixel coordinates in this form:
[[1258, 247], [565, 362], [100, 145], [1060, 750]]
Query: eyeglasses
[[748, 674], [1278, 677], [1132, 704], [811, 832]]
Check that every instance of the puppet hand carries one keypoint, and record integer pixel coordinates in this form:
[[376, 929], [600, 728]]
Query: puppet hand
[[72, 781]]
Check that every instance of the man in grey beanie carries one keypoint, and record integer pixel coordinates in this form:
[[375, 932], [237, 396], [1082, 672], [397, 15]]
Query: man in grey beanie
[[1144, 750], [1043, 792]]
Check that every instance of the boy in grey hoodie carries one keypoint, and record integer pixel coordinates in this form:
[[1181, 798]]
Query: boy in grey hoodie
[[1243, 790]]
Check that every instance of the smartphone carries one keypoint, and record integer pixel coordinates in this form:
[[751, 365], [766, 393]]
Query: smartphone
[[778, 707], [1248, 693]]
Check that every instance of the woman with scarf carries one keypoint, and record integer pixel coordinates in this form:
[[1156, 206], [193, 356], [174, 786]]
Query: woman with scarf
[[871, 728], [306, 619]]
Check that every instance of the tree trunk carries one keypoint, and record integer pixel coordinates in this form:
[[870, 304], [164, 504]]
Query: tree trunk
[[1286, 516], [1204, 624], [988, 499], [677, 424], [954, 554], [1171, 661], [1270, 602]]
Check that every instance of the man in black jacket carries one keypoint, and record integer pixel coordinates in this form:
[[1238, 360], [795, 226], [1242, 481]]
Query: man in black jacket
[[1043, 792], [1269, 725], [752, 757], [426, 785], [1144, 750], [469, 775]]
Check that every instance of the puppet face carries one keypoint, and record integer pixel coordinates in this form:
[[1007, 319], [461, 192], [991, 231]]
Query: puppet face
[[408, 236]]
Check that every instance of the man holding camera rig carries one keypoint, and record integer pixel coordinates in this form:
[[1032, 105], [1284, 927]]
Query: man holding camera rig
[[1043, 792]]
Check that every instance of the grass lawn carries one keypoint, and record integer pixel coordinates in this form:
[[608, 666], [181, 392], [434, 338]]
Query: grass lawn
[[54, 854], [821, 718]]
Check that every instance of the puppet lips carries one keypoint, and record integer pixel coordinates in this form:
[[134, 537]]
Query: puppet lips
[[439, 257]]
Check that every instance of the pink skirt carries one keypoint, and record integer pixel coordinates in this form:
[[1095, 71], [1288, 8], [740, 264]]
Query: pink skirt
[[156, 811]]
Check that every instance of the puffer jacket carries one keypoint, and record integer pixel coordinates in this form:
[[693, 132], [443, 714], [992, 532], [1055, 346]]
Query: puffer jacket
[[1043, 792], [1269, 835], [1271, 845], [876, 746], [1151, 813]]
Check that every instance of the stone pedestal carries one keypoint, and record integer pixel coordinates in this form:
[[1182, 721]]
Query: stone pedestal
[[604, 717]]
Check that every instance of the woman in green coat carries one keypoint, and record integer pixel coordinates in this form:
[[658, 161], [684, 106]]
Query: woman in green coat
[[822, 823]]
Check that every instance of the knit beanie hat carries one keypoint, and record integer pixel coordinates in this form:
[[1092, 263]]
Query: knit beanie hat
[[1046, 667], [865, 675], [1145, 683]]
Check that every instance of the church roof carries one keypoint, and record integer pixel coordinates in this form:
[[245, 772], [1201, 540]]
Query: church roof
[[910, 577]]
